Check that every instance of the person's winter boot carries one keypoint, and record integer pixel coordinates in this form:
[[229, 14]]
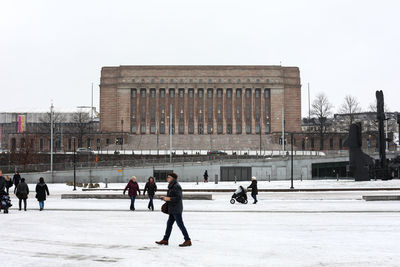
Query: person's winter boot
[[162, 242], [187, 243]]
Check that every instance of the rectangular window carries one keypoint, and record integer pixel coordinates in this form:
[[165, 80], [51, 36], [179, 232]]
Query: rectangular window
[[219, 93], [70, 144], [331, 143], [257, 128], [171, 93], [191, 128], [209, 93], [248, 129], [229, 112], [152, 128], [153, 93], [133, 93], [143, 93], [266, 93], [229, 128], [238, 112], [248, 93], [143, 129], [340, 143], [191, 112], [219, 128], [229, 93], [210, 112], [89, 142], [181, 93], [312, 143], [181, 128], [107, 141], [209, 128], [258, 92], [190, 93], [162, 93], [134, 129], [238, 93], [238, 128], [162, 128], [200, 92], [248, 112], [143, 111], [181, 114], [267, 128], [153, 113], [200, 128]]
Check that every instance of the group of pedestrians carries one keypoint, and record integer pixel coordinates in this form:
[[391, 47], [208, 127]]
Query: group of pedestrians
[[173, 204], [133, 191], [21, 189]]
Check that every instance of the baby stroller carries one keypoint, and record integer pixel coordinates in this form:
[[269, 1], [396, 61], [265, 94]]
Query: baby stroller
[[5, 202], [239, 196]]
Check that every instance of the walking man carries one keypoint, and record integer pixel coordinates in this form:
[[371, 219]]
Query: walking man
[[133, 190], [16, 180], [175, 209]]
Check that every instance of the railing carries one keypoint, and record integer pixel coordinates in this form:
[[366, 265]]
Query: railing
[[147, 160]]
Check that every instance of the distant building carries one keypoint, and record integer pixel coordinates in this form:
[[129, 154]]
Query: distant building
[[212, 107]]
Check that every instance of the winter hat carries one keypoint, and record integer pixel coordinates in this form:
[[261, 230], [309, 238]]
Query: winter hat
[[22, 179], [253, 178], [173, 175]]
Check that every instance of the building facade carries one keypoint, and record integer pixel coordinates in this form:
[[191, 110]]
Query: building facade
[[231, 107]]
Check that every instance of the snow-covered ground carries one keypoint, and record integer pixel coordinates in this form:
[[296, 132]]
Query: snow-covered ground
[[283, 229]]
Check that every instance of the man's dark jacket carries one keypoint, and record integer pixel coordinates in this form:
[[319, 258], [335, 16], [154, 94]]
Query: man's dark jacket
[[2, 184], [175, 205]]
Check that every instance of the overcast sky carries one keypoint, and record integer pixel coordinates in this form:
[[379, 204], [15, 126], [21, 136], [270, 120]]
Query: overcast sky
[[54, 50]]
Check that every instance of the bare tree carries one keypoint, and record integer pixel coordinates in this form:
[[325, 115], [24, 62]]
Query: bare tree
[[349, 107], [82, 125], [321, 109]]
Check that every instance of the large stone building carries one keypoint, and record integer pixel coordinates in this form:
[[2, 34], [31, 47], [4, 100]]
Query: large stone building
[[212, 107]]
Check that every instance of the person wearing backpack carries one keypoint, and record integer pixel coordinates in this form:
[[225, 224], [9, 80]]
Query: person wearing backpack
[[22, 193]]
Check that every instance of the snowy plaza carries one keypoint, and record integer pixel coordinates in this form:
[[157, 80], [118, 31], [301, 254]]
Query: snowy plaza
[[333, 228]]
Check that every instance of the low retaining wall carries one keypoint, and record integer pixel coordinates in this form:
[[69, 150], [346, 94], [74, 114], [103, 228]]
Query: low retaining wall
[[382, 198], [121, 196]]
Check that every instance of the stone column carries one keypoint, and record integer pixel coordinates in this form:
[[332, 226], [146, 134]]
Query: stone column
[[243, 111], [252, 108], [195, 110], [148, 110], [262, 110], [223, 110]]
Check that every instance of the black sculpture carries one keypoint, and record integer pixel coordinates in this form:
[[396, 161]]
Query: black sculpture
[[359, 161], [382, 169]]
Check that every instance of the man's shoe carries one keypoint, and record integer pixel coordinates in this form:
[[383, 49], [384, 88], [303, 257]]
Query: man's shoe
[[187, 243], [162, 242]]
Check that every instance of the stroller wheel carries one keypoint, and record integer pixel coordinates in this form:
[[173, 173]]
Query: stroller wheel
[[232, 201], [245, 202]]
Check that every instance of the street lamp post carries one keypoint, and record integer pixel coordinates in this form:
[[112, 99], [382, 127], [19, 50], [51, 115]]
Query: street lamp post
[[291, 161], [74, 164], [122, 134]]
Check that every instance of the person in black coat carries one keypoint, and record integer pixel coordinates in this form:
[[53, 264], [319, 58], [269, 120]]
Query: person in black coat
[[205, 176], [151, 189], [22, 193], [2, 184], [16, 179], [41, 190], [254, 189], [175, 209], [9, 183]]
